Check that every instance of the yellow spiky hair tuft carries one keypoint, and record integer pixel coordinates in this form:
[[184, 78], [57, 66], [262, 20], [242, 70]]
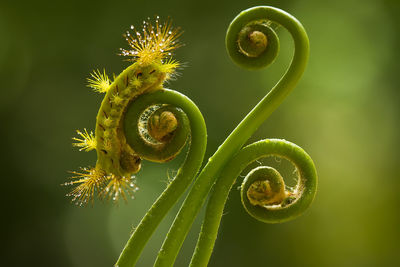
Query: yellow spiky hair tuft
[[119, 186], [88, 181], [152, 42], [99, 81], [86, 141]]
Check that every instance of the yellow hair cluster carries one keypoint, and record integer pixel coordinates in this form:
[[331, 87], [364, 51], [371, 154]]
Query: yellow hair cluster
[[86, 141], [152, 43], [99, 81], [88, 180]]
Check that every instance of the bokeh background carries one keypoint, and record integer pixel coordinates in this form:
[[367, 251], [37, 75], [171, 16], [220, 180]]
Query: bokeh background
[[344, 113]]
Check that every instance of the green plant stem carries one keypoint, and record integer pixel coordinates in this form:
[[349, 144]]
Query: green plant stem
[[243, 131], [175, 189], [270, 147]]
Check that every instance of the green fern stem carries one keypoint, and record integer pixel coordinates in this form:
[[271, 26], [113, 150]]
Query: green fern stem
[[175, 189]]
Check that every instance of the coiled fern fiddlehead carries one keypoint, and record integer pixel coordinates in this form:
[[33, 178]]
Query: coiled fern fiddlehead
[[252, 43]]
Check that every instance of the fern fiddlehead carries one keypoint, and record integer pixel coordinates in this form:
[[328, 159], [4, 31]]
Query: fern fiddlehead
[[263, 193], [139, 119]]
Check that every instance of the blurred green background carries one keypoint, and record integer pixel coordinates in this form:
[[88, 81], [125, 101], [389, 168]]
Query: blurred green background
[[344, 113]]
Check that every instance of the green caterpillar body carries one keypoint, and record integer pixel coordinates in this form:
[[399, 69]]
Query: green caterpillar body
[[114, 156]]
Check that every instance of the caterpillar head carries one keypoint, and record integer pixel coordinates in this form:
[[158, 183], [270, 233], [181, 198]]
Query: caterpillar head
[[151, 76], [151, 50]]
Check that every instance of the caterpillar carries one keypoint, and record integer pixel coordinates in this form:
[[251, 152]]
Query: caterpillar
[[152, 64]]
